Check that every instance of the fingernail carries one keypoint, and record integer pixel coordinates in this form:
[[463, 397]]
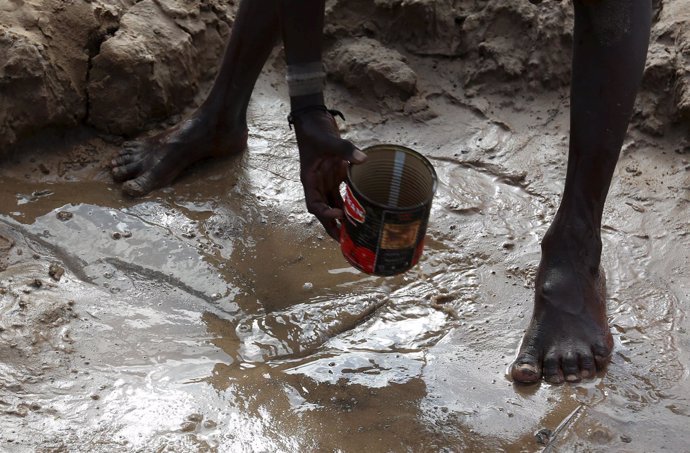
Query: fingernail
[[358, 156]]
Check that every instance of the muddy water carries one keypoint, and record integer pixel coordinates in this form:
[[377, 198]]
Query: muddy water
[[215, 316]]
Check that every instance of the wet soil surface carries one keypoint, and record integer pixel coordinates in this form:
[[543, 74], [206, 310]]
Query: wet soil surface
[[217, 316]]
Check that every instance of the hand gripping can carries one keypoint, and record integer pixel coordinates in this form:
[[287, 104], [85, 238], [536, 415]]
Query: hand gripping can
[[387, 203]]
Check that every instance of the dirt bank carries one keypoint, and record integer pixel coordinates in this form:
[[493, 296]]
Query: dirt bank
[[118, 65], [121, 66]]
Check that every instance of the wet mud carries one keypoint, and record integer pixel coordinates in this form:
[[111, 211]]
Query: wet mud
[[217, 316]]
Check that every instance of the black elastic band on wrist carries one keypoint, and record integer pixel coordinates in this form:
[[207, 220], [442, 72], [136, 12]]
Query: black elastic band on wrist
[[295, 114]]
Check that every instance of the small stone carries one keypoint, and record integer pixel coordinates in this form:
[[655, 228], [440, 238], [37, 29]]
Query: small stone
[[188, 427], [95, 397], [56, 272], [126, 234], [543, 436], [626, 439], [308, 286], [37, 283], [64, 215], [116, 235], [196, 418]]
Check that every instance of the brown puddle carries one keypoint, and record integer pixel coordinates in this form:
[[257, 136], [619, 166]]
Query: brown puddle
[[216, 315]]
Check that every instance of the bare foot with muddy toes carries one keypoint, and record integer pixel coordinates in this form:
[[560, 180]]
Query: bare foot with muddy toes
[[568, 338], [151, 163]]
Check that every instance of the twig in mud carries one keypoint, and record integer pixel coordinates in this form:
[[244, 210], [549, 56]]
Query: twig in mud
[[277, 175], [563, 425]]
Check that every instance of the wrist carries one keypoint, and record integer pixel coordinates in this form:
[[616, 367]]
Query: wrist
[[300, 102], [305, 84]]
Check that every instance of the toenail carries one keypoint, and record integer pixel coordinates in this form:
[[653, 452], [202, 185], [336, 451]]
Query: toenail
[[526, 368], [572, 378]]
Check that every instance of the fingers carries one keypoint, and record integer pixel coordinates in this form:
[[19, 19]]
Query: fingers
[[322, 195], [327, 216], [324, 212]]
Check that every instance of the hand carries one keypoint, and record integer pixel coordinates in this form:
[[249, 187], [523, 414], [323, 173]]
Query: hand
[[323, 165]]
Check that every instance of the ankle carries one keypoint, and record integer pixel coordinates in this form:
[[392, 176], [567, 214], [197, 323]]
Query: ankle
[[579, 237]]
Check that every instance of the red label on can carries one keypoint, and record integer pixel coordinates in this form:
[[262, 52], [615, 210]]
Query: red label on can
[[353, 209], [360, 257]]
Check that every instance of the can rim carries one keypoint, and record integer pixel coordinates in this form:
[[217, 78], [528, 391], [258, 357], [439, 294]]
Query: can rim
[[410, 152]]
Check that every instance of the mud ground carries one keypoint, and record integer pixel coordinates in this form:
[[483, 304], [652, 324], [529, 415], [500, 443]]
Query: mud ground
[[214, 316]]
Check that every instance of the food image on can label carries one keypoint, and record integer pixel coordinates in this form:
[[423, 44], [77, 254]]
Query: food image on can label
[[387, 202], [396, 236]]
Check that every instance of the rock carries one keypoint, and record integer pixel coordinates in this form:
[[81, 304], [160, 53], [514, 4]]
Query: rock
[[664, 97], [116, 64], [543, 436], [64, 215], [44, 56], [56, 272], [498, 40], [372, 69], [152, 66]]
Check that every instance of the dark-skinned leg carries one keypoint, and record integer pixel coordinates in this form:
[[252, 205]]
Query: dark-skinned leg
[[569, 337], [218, 127]]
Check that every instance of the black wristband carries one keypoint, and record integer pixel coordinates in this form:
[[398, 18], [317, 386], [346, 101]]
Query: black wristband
[[295, 114]]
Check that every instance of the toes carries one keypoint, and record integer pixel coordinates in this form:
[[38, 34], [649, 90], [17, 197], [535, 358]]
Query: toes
[[602, 356], [552, 369], [120, 159], [570, 366], [138, 187], [587, 366], [526, 369], [123, 157], [126, 171]]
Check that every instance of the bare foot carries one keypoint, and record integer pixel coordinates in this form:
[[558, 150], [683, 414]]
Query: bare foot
[[155, 162], [568, 338]]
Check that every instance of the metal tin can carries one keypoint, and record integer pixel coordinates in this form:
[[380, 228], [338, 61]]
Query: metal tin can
[[387, 203]]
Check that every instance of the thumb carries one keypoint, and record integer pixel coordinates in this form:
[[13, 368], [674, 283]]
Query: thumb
[[350, 152]]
